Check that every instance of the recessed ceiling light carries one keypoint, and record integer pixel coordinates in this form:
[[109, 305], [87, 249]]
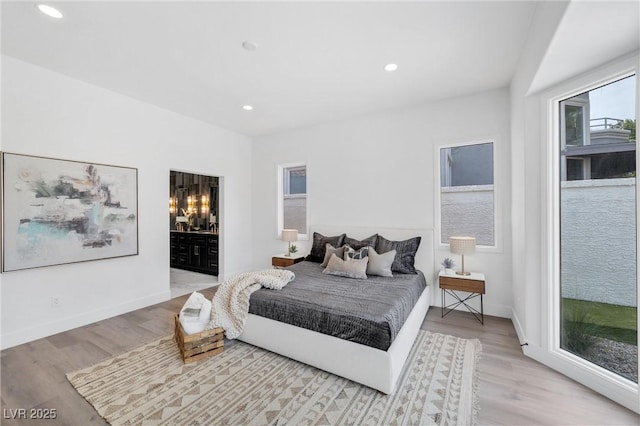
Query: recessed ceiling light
[[247, 107], [249, 45], [390, 67], [50, 11]]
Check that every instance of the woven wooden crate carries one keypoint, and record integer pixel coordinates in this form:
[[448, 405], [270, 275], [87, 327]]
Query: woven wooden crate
[[197, 346]]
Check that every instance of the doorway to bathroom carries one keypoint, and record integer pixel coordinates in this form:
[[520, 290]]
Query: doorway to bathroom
[[194, 231]]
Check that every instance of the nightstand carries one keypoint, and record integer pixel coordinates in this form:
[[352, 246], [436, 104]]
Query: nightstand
[[284, 261], [473, 284]]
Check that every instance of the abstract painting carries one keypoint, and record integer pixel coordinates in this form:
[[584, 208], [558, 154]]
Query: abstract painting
[[59, 211]]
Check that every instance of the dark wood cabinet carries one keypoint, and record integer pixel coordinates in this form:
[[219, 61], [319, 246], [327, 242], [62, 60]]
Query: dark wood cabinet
[[194, 251]]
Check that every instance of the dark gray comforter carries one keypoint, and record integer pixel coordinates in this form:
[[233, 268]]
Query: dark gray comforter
[[370, 312]]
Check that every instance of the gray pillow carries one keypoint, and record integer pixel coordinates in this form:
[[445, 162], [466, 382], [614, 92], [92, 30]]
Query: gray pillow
[[350, 268], [329, 250], [319, 246], [380, 264], [405, 253], [354, 254], [358, 244]]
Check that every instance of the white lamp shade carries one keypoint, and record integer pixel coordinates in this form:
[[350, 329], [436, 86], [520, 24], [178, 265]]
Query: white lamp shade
[[462, 245], [181, 219], [290, 235]]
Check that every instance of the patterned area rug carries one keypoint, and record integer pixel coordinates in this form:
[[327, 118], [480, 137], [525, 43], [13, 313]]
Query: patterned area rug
[[246, 385]]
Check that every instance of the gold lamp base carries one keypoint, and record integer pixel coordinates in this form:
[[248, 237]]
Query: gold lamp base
[[462, 272]]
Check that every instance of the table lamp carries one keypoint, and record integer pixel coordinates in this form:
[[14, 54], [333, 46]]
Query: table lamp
[[289, 235], [462, 246]]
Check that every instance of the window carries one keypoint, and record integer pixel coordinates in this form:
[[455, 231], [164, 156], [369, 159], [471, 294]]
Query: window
[[574, 123], [467, 202], [575, 168], [295, 180], [292, 188], [597, 211]]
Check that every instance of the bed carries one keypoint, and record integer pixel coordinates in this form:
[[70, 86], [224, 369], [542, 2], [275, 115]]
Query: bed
[[371, 366]]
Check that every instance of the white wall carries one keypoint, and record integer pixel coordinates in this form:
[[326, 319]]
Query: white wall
[[468, 210], [598, 240], [526, 151], [48, 114], [379, 171]]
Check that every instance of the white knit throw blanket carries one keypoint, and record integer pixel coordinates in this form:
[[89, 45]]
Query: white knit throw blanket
[[230, 303]]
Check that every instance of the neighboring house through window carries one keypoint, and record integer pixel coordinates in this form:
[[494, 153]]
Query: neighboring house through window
[[594, 148]]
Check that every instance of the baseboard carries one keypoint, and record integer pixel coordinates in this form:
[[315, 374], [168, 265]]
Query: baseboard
[[495, 310], [518, 327], [18, 337]]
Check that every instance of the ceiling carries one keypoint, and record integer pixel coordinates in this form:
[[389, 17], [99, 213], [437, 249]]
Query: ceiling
[[316, 61], [592, 33]]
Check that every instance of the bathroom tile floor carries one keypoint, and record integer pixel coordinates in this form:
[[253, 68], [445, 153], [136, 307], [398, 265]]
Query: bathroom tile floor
[[186, 282]]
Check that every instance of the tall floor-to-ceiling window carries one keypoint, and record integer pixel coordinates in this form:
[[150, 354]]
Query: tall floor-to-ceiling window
[[597, 227]]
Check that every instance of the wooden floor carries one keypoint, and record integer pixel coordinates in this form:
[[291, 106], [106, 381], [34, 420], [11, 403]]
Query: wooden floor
[[514, 390]]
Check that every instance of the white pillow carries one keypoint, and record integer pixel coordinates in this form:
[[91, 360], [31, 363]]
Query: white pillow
[[380, 264], [350, 268]]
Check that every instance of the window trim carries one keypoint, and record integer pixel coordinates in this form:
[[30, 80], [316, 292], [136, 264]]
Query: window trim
[[497, 191], [601, 380], [280, 181]]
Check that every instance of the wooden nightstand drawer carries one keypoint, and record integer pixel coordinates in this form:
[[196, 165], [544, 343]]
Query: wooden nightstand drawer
[[473, 284], [462, 284], [283, 261]]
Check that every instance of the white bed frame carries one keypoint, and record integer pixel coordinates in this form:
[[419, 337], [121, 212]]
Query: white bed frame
[[372, 367]]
